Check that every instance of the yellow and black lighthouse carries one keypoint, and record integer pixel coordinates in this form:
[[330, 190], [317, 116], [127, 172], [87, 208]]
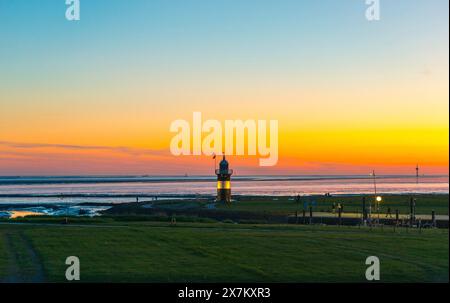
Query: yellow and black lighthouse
[[224, 181]]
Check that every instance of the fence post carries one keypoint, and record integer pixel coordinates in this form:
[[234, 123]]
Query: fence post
[[364, 216], [340, 215], [411, 211]]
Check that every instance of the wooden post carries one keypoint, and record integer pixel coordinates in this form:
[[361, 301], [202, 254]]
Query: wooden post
[[310, 215], [340, 215], [364, 209]]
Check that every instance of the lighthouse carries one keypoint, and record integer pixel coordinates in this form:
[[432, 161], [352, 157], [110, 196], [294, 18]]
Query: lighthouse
[[224, 181]]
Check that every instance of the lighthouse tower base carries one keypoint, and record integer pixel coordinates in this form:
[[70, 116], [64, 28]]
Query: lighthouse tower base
[[224, 195]]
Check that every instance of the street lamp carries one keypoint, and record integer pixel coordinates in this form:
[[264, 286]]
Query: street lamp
[[378, 199]]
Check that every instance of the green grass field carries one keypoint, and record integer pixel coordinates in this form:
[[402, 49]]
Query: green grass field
[[219, 252], [4, 259]]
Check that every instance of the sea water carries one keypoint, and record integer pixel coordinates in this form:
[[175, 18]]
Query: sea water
[[78, 189]]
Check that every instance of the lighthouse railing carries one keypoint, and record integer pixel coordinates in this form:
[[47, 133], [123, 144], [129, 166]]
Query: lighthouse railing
[[224, 172]]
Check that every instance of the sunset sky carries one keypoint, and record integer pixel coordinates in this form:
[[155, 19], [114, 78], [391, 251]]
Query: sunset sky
[[97, 96]]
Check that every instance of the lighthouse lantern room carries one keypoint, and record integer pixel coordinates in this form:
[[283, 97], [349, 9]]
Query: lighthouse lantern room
[[224, 181]]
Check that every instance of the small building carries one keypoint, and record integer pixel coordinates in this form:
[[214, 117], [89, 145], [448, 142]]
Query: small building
[[224, 181]]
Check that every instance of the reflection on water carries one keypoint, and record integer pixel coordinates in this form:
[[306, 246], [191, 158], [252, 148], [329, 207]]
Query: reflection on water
[[19, 214], [16, 211]]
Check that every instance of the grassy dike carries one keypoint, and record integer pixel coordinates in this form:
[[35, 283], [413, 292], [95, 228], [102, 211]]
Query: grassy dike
[[288, 205], [274, 210], [121, 251]]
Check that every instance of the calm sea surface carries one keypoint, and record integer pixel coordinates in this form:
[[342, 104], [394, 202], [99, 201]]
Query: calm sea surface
[[125, 189]]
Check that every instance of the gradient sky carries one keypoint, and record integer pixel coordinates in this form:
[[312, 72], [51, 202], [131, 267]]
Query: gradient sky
[[98, 96]]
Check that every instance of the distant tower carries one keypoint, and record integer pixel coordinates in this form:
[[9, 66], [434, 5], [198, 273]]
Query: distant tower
[[223, 181], [417, 173]]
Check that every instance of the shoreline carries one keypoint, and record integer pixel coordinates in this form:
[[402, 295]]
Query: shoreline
[[264, 208], [45, 180], [199, 196]]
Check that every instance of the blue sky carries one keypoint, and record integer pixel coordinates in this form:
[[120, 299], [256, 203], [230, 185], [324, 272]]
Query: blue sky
[[120, 75], [234, 33]]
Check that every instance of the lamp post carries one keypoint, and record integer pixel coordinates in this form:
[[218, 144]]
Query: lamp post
[[297, 199], [378, 199], [375, 194]]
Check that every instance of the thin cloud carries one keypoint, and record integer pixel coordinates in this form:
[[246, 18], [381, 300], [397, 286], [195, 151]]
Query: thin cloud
[[122, 149]]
